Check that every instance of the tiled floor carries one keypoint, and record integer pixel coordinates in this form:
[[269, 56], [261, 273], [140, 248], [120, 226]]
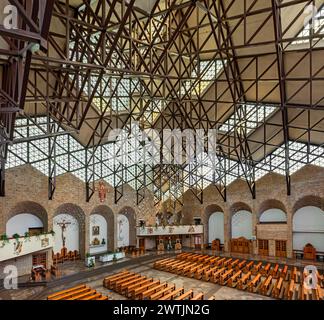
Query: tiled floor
[[74, 273]]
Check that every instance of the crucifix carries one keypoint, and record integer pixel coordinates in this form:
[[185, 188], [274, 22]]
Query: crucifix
[[63, 224]]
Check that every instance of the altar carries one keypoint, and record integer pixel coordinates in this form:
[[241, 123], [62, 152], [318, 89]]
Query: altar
[[110, 256]]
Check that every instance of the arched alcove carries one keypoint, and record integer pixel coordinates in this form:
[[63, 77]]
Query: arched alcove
[[241, 221], [124, 225], [75, 229]]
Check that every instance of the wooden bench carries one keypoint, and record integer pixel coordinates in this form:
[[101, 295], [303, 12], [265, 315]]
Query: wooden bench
[[244, 280], [200, 272], [291, 289], [256, 268], [83, 295], [59, 293], [117, 285], [156, 264], [174, 268], [241, 265], [220, 262], [293, 274], [71, 294], [253, 283], [180, 269], [274, 271], [235, 263], [266, 285], [146, 294], [266, 269], [227, 262], [214, 260], [191, 272], [208, 274], [199, 296], [277, 288], [161, 293], [93, 297], [284, 271], [185, 296], [135, 293], [123, 288], [234, 279], [248, 267], [215, 277], [224, 277], [108, 280], [172, 295], [132, 287]]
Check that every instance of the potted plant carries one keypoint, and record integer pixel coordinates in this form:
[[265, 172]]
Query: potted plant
[[4, 238], [90, 260], [16, 236]]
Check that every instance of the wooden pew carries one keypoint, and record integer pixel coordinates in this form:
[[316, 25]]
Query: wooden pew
[[93, 297], [284, 271], [199, 296], [191, 272], [132, 287], [235, 263], [135, 293], [214, 260], [209, 273], [166, 265], [156, 264], [215, 277], [274, 271], [174, 268], [266, 269], [200, 272], [179, 269], [224, 277], [256, 268], [102, 298], [116, 285], [161, 293], [123, 287], [186, 269], [266, 285], [234, 279], [220, 262], [248, 267], [71, 294], [108, 283], [83, 295], [244, 280], [60, 293], [227, 262], [277, 288], [146, 294], [241, 265], [291, 289], [254, 283], [185, 296], [293, 274], [172, 295]]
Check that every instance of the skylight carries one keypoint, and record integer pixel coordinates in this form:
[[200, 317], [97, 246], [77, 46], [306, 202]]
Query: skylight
[[248, 117], [314, 27], [209, 70]]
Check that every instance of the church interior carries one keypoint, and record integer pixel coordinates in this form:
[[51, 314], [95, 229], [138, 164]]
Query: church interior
[[161, 150]]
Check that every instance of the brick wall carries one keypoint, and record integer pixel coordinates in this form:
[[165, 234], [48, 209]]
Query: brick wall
[[26, 184]]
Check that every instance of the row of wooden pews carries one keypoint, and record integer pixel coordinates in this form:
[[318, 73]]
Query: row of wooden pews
[[254, 276], [138, 287], [80, 292]]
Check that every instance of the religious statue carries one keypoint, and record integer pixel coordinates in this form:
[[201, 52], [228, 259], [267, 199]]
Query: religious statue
[[102, 191], [63, 224]]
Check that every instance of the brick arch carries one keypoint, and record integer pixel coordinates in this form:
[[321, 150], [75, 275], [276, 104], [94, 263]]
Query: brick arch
[[30, 207], [239, 206], [309, 200], [208, 211], [234, 208], [78, 213], [109, 216], [129, 212], [270, 204]]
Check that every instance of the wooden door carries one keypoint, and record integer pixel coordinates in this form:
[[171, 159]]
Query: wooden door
[[263, 247], [141, 243], [281, 248]]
